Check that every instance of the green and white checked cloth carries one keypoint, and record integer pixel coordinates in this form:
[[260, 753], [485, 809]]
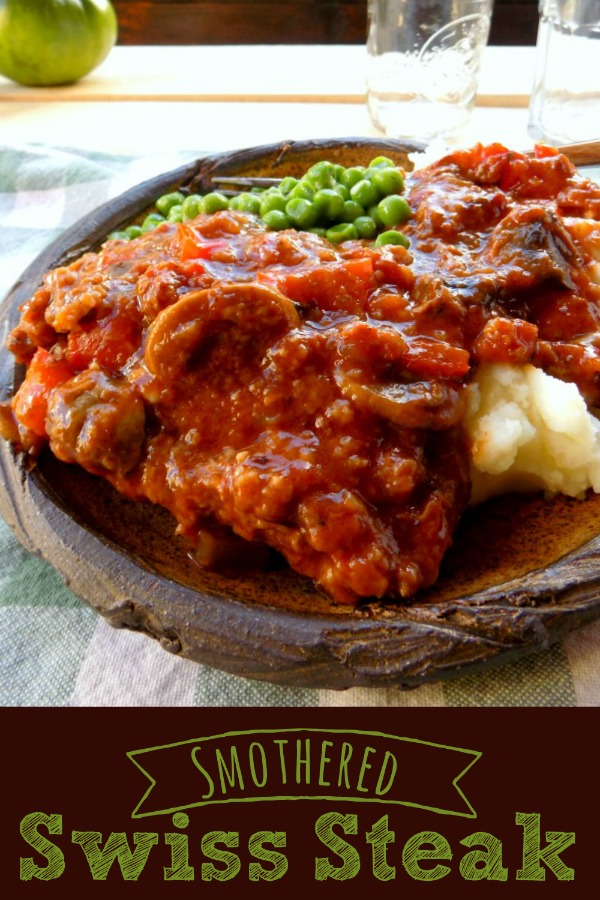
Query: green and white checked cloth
[[58, 652]]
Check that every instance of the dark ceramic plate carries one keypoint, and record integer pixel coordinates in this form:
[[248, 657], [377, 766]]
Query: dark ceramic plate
[[521, 574]]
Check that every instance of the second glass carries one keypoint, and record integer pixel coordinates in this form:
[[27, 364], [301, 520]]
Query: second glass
[[423, 65], [565, 101]]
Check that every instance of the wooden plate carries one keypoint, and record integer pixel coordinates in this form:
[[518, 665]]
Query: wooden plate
[[521, 574]]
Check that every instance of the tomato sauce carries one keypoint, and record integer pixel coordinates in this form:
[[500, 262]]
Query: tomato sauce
[[305, 396]]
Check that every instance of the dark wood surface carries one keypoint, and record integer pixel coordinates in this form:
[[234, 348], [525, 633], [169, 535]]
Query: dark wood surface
[[282, 22], [521, 574]]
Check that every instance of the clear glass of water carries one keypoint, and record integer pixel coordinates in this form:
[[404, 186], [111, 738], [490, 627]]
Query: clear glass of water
[[423, 65], [565, 100]]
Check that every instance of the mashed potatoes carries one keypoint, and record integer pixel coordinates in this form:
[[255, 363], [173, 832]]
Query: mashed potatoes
[[530, 431]]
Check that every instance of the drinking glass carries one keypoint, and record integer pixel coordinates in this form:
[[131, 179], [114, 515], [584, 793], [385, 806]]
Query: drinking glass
[[423, 65], [565, 100]]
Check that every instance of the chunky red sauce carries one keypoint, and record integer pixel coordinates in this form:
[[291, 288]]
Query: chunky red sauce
[[309, 396]]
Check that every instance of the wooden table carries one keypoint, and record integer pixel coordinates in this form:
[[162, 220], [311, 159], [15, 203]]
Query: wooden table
[[162, 99]]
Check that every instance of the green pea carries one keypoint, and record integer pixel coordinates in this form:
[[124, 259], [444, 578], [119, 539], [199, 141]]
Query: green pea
[[329, 205], [246, 202], [321, 175], [287, 184], [318, 230], [133, 231], [342, 190], [301, 212], [118, 236], [151, 221], [373, 213], [381, 162], [191, 207], [365, 227], [271, 200], [343, 231], [393, 210], [365, 193], [167, 201], [352, 211], [392, 237], [175, 213], [352, 176], [387, 181], [303, 190], [276, 220], [250, 203], [214, 202]]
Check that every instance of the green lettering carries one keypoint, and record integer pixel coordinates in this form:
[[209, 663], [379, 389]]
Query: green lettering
[[116, 847], [483, 864], [231, 861], [414, 851], [278, 861], [180, 869], [363, 768], [281, 742], [344, 760], [379, 838], [379, 788], [347, 853], [533, 854], [229, 775], [211, 784], [324, 760], [55, 861], [303, 761], [263, 762]]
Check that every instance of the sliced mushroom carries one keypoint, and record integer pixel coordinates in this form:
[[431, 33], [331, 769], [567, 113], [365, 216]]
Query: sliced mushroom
[[251, 310], [418, 404]]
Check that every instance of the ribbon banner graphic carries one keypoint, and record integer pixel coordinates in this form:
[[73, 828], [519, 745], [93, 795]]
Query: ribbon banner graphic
[[304, 764]]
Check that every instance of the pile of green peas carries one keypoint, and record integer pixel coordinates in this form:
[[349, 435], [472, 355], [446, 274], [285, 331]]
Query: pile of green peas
[[338, 203]]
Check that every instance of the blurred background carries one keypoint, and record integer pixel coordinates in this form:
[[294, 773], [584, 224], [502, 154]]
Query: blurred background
[[283, 22]]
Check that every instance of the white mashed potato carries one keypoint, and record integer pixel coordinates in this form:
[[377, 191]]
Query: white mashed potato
[[530, 431]]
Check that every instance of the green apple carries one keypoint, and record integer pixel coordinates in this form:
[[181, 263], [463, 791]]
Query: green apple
[[45, 42]]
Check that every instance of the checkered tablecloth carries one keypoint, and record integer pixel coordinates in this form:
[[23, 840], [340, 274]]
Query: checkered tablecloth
[[56, 651]]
